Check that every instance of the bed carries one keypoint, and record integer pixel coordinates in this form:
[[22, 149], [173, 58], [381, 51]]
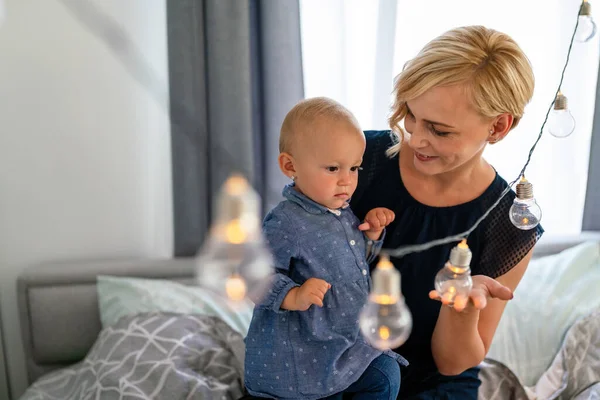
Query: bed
[[61, 325]]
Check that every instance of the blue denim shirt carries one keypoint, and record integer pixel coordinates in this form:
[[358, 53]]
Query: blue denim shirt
[[315, 353]]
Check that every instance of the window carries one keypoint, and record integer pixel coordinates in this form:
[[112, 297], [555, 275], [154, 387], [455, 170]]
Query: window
[[352, 49]]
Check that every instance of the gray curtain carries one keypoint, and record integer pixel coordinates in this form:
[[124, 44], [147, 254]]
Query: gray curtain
[[591, 211], [235, 69]]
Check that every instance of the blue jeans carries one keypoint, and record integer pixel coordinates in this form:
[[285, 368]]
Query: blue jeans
[[461, 387], [381, 381]]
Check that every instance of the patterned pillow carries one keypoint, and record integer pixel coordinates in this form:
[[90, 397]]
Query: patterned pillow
[[125, 296]]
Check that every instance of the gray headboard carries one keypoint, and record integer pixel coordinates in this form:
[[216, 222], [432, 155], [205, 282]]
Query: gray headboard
[[58, 303], [58, 306]]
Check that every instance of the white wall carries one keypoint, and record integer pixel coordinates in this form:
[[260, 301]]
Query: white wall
[[84, 149]]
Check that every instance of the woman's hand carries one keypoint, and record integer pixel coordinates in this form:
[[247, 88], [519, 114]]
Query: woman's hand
[[375, 222], [484, 288]]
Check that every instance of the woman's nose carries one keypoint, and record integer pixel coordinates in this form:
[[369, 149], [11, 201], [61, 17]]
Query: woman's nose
[[417, 139]]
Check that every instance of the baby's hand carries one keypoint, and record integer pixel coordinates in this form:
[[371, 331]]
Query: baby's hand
[[311, 292], [375, 221]]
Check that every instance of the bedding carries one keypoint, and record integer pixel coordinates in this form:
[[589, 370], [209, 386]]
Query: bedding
[[61, 323], [153, 356], [120, 296], [575, 371], [574, 374], [555, 291]]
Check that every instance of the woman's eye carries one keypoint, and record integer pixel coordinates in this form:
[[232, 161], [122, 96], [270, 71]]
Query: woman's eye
[[332, 169], [436, 132]]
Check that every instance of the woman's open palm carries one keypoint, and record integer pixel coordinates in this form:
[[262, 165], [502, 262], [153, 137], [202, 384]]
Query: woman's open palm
[[484, 288]]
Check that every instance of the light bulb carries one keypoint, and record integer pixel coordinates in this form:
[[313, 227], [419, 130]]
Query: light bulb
[[525, 213], [454, 279], [385, 320], [560, 121], [586, 27], [234, 261]]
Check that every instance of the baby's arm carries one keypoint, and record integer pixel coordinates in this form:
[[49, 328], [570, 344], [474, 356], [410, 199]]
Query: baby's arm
[[283, 245], [301, 298], [375, 222], [374, 229], [284, 293]]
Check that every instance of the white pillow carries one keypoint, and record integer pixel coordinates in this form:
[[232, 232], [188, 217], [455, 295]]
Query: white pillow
[[121, 296], [554, 292]]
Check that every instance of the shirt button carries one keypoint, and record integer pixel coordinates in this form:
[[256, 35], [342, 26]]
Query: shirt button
[[364, 272], [352, 242]]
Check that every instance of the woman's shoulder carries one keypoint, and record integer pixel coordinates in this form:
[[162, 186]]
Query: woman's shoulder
[[498, 187], [504, 245]]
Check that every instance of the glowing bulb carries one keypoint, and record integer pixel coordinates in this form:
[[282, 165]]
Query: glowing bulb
[[235, 287], [385, 320], [586, 27], [560, 121], [234, 261], [525, 213], [455, 278]]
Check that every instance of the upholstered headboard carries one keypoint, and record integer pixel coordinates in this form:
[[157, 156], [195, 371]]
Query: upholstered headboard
[[58, 306], [58, 302]]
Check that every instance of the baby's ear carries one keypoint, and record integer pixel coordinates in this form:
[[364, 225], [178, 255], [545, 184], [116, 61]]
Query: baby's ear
[[286, 164]]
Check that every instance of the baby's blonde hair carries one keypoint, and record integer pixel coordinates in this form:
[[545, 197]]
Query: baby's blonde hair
[[497, 75], [301, 118]]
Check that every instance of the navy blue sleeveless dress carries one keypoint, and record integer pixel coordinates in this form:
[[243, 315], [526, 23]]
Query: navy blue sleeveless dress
[[496, 244]]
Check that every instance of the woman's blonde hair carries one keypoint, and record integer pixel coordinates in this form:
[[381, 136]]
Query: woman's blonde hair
[[301, 118], [496, 73]]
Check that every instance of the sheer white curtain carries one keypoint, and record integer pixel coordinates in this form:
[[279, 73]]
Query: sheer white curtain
[[352, 49]]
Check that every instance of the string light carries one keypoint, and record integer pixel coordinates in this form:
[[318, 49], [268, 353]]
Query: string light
[[587, 26], [385, 321], [525, 213], [409, 249], [561, 122], [233, 261], [454, 280]]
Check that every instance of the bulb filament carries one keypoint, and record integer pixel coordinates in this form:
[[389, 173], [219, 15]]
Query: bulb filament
[[384, 332], [235, 287], [385, 299], [234, 232], [385, 263]]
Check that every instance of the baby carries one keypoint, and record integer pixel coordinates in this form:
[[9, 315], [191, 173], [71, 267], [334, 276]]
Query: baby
[[304, 340]]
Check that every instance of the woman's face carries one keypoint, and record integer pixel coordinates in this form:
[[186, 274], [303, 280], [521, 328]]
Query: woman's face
[[445, 132]]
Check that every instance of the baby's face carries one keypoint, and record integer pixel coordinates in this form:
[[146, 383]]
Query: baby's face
[[327, 163]]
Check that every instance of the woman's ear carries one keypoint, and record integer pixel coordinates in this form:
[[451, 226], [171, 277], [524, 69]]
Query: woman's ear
[[286, 164], [501, 127]]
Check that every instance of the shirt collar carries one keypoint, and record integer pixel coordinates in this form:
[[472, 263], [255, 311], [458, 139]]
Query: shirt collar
[[290, 193]]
